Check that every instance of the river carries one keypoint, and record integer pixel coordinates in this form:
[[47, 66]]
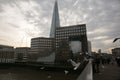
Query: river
[[20, 73]]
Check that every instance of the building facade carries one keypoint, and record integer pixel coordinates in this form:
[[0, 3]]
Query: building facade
[[75, 34], [41, 47], [89, 48], [116, 52], [21, 54], [55, 20], [6, 54]]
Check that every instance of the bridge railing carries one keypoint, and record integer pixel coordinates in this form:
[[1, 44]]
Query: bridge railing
[[87, 73]]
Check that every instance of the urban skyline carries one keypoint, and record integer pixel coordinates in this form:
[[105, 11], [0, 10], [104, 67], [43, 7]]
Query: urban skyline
[[62, 51], [23, 20], [64, 43]]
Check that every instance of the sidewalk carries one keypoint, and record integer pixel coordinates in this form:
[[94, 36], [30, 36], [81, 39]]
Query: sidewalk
[[109, 72]]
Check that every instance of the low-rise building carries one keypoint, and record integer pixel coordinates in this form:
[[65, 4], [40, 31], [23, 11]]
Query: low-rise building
[[116, 52], [21, 54], [7, 54], [41, 47]]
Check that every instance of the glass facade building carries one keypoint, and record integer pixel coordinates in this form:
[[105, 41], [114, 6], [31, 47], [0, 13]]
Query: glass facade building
[[64, 35]]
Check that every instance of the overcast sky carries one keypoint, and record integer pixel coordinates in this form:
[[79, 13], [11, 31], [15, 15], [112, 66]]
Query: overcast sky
[[21, 20]]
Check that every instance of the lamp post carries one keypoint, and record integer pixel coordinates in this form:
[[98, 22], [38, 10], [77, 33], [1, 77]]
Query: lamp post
[[115, 39]]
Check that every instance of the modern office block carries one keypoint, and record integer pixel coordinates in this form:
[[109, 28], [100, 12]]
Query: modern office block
[[41, 47], [55, 20], [67, 35]]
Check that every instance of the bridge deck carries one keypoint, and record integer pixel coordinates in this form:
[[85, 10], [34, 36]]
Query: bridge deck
[[109, 72]]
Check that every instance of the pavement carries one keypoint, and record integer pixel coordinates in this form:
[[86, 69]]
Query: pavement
[[109, 72]]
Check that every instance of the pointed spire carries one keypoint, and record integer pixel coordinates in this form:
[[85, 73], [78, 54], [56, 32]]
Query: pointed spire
[[55, 20]]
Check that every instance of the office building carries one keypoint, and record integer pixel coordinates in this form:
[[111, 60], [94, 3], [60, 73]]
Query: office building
[[55, 20], [89, 48], [44, 47], [21, 54], [116, 52], [64, 42], [41, 47], [6, 54], [68, 38]]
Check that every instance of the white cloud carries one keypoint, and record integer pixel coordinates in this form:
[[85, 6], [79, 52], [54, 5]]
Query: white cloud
[[108, 41], [100, 37], [75, 2], [98, 30], [14, 15]]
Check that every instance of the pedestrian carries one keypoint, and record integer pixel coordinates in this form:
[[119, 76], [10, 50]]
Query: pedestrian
[[97, 63], [118, 61]]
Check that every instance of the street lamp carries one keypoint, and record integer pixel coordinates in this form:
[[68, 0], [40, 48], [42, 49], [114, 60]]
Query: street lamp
[[115, 39]]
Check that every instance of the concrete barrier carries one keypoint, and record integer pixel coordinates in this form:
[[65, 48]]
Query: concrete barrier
[[87, 73]]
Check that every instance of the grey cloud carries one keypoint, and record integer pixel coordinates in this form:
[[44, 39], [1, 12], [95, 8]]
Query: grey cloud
[[13, 25], [3, 40], [1, 8], [98, 15], [103, 46], [95, 13], [6, 1]]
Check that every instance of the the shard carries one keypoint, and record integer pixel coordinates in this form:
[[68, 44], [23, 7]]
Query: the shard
[[55, 20]]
